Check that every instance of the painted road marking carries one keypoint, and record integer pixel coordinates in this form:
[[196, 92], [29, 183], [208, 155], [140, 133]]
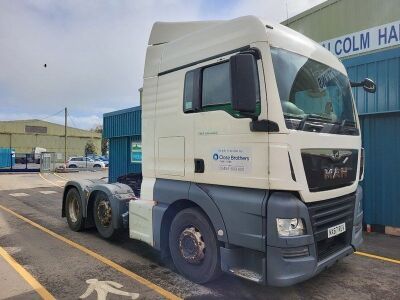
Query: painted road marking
[[51, 182], [19, 195], [37, 287], [48, 192], [395, 261], [104, 287], [59, 176], [97, 256]]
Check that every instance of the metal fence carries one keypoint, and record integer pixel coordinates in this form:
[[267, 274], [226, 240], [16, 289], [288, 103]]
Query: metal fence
[[19, 162]]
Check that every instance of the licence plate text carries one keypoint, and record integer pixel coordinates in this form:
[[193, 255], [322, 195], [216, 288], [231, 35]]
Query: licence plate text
[[336, 230]]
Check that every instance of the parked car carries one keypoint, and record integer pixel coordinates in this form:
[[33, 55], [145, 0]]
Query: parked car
[[105, 161], [84, 162], [99, 158]]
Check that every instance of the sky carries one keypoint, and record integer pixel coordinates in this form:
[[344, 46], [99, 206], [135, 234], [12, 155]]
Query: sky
[[94, 51]]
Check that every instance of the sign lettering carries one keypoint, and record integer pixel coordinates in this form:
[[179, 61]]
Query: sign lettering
[[378, 37]]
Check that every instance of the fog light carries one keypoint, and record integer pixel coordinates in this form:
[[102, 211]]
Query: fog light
[[290, 227]]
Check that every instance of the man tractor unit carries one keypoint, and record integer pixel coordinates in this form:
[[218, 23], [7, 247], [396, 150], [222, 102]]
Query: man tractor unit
[[251, 155]]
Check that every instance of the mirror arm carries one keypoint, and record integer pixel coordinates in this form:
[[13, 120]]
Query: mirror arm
[[356, 84]]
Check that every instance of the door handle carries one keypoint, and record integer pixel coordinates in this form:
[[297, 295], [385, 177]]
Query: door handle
[[198, 165]]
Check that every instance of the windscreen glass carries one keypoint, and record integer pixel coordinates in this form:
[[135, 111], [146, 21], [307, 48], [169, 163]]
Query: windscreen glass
[[313, 96]]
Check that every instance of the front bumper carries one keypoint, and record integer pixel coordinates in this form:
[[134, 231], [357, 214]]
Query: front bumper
[[294, 259]]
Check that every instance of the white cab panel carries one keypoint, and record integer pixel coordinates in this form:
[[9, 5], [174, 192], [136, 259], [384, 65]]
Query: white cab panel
[[171, 156], [141, 220]]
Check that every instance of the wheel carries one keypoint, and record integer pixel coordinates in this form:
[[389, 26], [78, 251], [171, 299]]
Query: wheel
[[194, 246], [73, 208], [102, 214], [96, 166], [72, 166]]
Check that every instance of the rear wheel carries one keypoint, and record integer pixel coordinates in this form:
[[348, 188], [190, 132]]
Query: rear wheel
[[96, 166], [102, 213], [72, 166], [73, 209], [194, 246]]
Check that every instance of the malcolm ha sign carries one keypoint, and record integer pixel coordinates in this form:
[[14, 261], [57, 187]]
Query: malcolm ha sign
[[378, 37]]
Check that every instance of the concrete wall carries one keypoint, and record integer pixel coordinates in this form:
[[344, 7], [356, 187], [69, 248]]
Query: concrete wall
[[13, 135], [335, 18]]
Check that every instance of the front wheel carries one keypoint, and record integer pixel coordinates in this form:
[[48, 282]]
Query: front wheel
[[194, 246], [102, 213]]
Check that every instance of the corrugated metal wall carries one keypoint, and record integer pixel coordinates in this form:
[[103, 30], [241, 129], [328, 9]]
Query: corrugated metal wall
[[122, 128], [382, 164], [126, 122], [380, 127], [383, 67]]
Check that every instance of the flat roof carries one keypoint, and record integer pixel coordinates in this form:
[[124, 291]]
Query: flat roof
[[122, 111]]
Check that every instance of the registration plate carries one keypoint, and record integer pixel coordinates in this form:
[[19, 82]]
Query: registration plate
[[336, 230]]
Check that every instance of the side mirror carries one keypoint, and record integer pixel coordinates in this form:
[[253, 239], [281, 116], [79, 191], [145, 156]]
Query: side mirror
[[369, 86], [244, 82]]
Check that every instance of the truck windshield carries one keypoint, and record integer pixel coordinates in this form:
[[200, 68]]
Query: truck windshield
[[313, 94]]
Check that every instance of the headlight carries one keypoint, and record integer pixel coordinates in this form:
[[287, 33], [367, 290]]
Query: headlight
[[290, 227]]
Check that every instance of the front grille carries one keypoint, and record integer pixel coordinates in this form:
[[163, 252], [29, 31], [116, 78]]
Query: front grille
[[328, 213], [328, 169]]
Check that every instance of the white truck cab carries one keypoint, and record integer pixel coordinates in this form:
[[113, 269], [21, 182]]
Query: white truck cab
[[251, 155]]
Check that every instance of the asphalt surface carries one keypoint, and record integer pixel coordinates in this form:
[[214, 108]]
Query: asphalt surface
[[63, 269]]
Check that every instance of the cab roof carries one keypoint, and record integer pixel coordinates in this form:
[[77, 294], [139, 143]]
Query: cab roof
[[176, 44]]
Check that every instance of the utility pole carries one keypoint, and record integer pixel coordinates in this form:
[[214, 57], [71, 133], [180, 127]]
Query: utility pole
[[65, 141]]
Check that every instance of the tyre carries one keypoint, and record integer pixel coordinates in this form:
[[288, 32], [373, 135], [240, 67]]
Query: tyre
[[96, 166], [72, 166], [194, 246], [102, 214], [73, 209]]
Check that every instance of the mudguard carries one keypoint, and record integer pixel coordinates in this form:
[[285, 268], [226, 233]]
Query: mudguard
[[119, 195]]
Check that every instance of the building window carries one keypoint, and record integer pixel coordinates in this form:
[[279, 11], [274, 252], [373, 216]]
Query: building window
[[35, 129]]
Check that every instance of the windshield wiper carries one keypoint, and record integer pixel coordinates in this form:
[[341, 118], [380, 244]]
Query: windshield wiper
[[316, 117], [347, 123]]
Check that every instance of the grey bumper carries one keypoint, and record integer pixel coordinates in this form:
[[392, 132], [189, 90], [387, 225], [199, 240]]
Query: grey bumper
[[294, 259]]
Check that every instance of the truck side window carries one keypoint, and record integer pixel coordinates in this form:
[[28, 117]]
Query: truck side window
[[216, 87], [209, 89], [188, 91]]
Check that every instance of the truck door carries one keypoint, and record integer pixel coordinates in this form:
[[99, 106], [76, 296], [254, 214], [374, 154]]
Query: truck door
[[226, 152], [231, 161]]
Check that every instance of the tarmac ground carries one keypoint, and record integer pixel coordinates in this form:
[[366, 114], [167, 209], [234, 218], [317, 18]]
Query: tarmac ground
[[40, 257]]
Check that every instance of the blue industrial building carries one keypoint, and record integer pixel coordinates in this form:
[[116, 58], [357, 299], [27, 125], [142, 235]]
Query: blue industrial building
[[122, 128], [380, 126]]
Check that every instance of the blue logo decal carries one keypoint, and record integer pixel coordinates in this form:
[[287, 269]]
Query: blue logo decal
[[215, 156]]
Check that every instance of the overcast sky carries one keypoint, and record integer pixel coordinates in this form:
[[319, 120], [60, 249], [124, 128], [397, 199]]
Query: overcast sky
[[94, 50]]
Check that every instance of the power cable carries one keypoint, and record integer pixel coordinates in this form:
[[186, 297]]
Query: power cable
[[72, 121], [49, 116]]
